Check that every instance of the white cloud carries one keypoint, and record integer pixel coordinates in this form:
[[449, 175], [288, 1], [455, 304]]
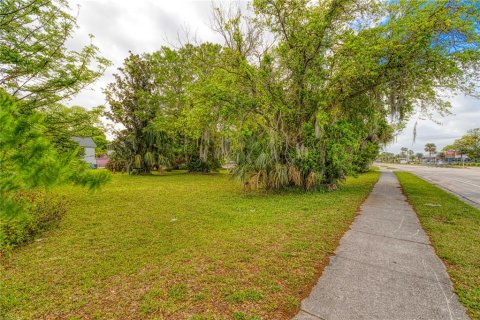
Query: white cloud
[[137, 26], [465, 115], [146, 25]]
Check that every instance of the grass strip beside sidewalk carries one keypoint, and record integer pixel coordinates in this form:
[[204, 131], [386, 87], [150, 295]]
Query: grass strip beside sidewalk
[[454, 229]]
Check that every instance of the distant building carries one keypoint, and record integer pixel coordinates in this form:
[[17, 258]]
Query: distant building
[[102, 161], [89, 147], [460, 158], [430, 157]]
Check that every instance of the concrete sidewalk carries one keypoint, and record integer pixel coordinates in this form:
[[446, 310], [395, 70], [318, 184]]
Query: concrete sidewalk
[[384, 267]]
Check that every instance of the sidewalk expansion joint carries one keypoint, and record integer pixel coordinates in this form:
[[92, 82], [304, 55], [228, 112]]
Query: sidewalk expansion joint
[[384, 236], [393, 270], [385, 208], [312, 314], [365, 215]]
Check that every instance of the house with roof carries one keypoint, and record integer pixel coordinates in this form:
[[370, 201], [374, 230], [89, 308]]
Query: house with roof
[[89, 146]]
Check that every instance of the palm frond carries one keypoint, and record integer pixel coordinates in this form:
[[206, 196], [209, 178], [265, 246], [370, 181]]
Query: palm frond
[[138, 161], [295, 176], [311, 180]]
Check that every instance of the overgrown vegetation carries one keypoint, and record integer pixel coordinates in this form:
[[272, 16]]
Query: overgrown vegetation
[[454, 228], [37, 72], [29, 163], [36, 66], [44, 212], [300, 92], [179, 246]]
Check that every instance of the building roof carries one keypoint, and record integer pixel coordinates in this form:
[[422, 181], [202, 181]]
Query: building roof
[[85, 142]]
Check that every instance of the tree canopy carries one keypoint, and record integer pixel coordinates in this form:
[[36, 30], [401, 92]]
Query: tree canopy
[[430, 148], [35, 65], [28, 161], [37, 72], [469, 144], [301, 93], [62, 123]]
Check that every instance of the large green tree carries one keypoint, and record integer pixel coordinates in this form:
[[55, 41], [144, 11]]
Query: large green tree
[[36, 72], [29, 162], [469, 144], [35, 65], [303, 93], [166, 103], [133, 102], [62, 123], [322, 93]]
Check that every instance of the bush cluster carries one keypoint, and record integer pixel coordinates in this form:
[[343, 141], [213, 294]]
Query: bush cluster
[[117, 165], [195, 164], [42, 212]]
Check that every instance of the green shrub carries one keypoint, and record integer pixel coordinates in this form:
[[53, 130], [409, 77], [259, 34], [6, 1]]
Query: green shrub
[[198, 165], [117, 165], [29, 161], [41, 213]]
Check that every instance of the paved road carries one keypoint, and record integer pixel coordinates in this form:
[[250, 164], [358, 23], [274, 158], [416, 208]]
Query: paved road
[[384, 268], [464, 183]]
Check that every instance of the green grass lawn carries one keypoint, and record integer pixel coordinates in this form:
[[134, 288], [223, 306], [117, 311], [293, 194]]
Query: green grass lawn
[[454, 228], [179, 246]]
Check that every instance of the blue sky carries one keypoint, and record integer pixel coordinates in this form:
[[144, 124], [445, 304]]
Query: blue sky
[[145, 25]]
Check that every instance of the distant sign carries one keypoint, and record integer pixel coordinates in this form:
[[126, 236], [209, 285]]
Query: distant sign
[[450, 154]]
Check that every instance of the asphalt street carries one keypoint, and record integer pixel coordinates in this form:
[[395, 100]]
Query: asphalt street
[[463, 182]]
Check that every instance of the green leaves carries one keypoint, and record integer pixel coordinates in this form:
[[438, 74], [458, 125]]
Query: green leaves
[[169, 103], [62, 123], [469, 144], [299, 87], [343, 66], [37, 70], [36, 66], [28, 161]]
